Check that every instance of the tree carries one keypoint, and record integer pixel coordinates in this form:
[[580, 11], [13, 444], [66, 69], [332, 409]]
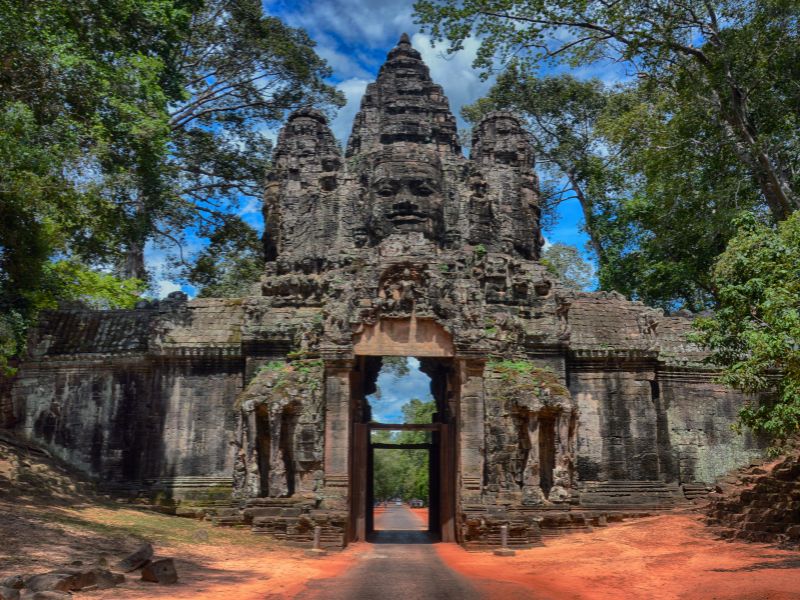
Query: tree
[[82, 108], [658, 180], [237, 72], [404, 473], [396, 365], [561, 114], [231, 264], [566, 263], [741, 54], [123, 121], [755, 333], [683, 186]]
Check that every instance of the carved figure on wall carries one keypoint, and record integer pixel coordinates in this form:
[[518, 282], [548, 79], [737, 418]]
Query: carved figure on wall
[[406, 195], [401, 290]]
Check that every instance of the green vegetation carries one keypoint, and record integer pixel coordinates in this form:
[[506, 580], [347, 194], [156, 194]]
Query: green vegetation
[[662, 164], [404, 473], [524, 376], [755, 332], [688, 175], [128, 123]]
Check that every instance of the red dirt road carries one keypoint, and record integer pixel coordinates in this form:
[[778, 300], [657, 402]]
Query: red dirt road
[[667, 557], [670, 557]]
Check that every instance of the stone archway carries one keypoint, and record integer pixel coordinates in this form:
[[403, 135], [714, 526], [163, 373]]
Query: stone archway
[[404, 337], [432, 344]]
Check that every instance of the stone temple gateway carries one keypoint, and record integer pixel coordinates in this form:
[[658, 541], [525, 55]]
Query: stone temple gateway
[[553, 406]]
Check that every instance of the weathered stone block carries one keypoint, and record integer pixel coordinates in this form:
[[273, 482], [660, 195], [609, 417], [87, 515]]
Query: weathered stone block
[[136, 559], [160, 571]]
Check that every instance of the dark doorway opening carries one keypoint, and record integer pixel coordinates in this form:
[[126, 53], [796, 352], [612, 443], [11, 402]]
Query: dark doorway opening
[[547, 452], [263, 448], [414, 423]]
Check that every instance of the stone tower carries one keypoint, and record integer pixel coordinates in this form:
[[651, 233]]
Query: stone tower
[[551, 404]]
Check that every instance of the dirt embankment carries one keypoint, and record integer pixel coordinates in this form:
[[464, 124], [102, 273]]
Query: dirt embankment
[[760, 503], [51, 518]]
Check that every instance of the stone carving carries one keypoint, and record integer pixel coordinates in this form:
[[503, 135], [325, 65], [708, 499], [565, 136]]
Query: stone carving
[[546, 398], [406, 195], [280, 431]]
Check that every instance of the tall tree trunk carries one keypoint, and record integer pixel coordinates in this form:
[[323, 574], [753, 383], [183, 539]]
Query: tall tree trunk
[[132, 264], [588, 216], [774, 184]]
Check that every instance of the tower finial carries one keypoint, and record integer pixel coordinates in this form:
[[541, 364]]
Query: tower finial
[[404, 39]]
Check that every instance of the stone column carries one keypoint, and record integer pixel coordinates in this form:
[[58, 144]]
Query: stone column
[[532, 474], [471, 420], [337, 430], [565, 453]]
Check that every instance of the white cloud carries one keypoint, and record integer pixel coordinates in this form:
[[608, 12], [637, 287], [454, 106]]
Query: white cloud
[[364, 22], [396, 391], [462, 84], [344, 65], [342, 125], [156, 260], [165, 287]]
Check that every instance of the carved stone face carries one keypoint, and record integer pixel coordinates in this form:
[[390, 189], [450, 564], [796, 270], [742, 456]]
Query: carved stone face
[[406, 196]]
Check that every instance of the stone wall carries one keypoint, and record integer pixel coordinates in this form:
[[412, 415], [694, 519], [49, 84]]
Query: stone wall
[[699, 412], [141, 399], [135, 419], [617, 427]]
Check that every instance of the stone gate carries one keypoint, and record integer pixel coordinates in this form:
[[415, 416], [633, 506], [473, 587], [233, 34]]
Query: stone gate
[[553, 407]]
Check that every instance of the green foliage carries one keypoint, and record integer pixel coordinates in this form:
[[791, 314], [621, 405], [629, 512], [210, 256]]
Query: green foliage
[[299, 373], [125, 122], [480, 251], [566, 263], [231, 264], [404, 473], [82, 112], [738, 58], [685, 185], [511, 367], [521, 376], [755, 333], [661, 165], [239, 70]]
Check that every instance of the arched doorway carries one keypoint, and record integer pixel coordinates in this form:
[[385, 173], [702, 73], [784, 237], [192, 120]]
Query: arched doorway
[[432, 346]]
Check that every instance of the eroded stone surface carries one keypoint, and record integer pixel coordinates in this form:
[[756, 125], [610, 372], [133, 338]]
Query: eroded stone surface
[[552, 404]]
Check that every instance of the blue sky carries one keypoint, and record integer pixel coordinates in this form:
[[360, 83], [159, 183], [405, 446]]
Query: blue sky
[[396, 391], [354, 37]]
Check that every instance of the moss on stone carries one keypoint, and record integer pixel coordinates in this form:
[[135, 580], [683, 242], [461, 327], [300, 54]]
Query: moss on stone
[[523, 376]]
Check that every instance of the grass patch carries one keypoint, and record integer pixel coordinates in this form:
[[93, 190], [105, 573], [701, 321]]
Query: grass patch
[[150, 526]]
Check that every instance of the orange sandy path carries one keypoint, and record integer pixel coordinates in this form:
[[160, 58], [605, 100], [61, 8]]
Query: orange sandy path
[[667, 557], [421, 514], [236, 574]]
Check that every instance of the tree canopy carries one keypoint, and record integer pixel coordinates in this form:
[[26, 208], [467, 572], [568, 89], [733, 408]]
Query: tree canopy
[[404, 473], [687, 171], [738, 58], [755, 332], [128, 122]]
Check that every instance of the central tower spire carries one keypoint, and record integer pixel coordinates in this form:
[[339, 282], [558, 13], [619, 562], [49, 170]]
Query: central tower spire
[[404, 105]]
